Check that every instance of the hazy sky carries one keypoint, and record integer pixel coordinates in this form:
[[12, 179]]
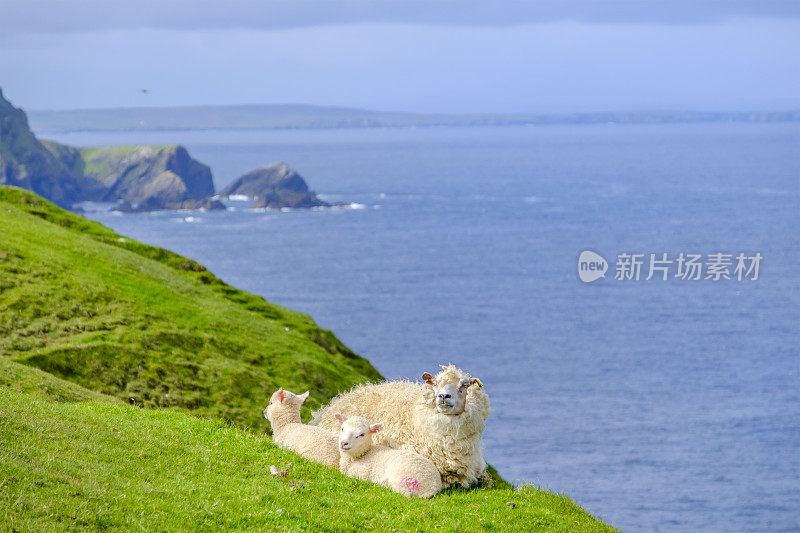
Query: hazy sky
[[429, 56]]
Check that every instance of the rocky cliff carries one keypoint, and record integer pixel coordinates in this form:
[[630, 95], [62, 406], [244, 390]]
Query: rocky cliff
[[274, 186], [140, 178], [146, 177], [26, 162]]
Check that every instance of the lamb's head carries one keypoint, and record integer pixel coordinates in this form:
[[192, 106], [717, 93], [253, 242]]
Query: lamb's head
[[355, 438], [284, 405], [450, 389]]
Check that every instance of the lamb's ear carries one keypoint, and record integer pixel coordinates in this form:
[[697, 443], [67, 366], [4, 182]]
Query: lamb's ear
[[303, 396], [428, 378], [476, 381], [374, 428], [340, 417], [281, 395]]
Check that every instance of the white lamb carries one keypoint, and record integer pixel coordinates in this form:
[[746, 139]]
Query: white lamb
[[311, 442], [442, 420], [403, 471]]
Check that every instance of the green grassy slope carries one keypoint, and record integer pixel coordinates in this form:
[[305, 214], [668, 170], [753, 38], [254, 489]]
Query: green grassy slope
[[35, 382], [148, 326], [87, 463]]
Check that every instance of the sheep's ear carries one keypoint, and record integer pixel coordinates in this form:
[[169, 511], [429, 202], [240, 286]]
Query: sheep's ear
[[340, 417], [428, 378], [476, 381], [303, 396], [281, 395], [374, 428]]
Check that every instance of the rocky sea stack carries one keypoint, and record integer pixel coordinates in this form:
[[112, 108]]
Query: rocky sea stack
[[274, 186]]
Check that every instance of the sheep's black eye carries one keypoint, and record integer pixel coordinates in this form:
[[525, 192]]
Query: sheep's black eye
[[361, 435]]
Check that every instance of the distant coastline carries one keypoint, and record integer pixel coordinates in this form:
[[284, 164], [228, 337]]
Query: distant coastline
[[296, 116]]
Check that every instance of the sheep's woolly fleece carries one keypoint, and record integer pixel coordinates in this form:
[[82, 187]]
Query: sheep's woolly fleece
[[408, 413], [311, 442], [403, 471]]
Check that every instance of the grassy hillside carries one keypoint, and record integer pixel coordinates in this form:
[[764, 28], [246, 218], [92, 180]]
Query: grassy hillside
[[71, 459], [148, 326], [32, 381], [92, 322]]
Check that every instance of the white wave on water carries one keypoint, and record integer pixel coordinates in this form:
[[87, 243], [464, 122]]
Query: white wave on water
[[482, 198], [239, 198], [773, 192], [94, 207], [729, 191], [533, 199], [614, 190]]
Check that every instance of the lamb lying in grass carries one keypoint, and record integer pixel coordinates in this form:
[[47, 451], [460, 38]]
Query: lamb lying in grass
[[403, 471], [311, 442]]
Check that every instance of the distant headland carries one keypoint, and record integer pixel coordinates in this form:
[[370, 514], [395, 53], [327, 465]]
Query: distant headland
[[297, 116]]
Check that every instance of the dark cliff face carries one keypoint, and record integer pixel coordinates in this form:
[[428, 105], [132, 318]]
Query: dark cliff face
[[274, 186], [196, 175], [25, 162]]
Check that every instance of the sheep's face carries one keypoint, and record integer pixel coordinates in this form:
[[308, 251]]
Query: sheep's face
[[450, 388], [355, 437], [284, 401]]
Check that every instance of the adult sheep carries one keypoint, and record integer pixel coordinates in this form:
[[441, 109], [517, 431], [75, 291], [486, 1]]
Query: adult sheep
[[442, 419]]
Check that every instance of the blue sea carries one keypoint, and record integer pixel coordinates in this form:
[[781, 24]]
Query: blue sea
[[656, 405]]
